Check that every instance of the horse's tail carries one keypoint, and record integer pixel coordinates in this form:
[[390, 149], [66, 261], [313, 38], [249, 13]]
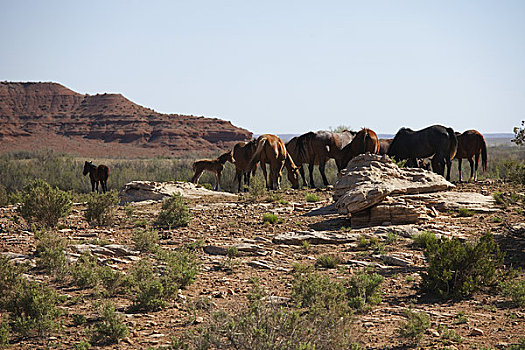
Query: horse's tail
[[105, 173], [453, 143], [301, 147], [483, 153], [257, 153]]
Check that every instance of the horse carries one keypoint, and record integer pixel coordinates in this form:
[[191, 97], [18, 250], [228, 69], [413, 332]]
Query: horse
[[316, 148], [212, 165], [383, 145], [436, 140], [97, 174], [242, 153], [471, 144], [364, 141], [271, 149]]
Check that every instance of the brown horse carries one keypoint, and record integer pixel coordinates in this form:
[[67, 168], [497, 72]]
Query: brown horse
[[471, 144], [364, 141], [97, 174], [242, 154], [213, 165], [316, 148], [383, 145], [271, 149]]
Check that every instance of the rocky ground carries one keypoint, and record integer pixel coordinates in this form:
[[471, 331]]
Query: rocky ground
[[269, 252]]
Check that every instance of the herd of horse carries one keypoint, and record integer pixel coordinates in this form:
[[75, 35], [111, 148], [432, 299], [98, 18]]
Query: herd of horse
[[437, 143]]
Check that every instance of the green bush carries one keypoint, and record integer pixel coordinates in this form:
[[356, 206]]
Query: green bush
[[465, 212], [271, 219], [147, 287], [363, 290], [262, 325], [515, 289], [499, 197], [181, 270], [457, 269], [101, 208], [174, 213], [424, 239], [257, 188], [312, 197], [146, 240], [329, 261], [50, 253], [110, 328], [44, 205], [4, 333], [83, 345], [113, 281], [85, 271], [415, 325], [4, 198]]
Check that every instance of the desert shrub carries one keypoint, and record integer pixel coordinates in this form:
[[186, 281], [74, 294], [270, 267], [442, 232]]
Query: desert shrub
[[181, 270], [415, 325], [113, 281], [101, 208], [312, 197], [82, 345], [271, 219], [391, 238], [329, 261], [257, 188], [146, 240], [32, 309], [85, 271], [519, 134], [363, 290], [318, 292], [44, 205], [465, 212], [50, 253], [515, 289], [147, 287], [4, 198], [174, 213], [448, 335], [5, 329], [262, 325], [78, 319], [499, 197], [424, 239], [109, 328], [457, 269]]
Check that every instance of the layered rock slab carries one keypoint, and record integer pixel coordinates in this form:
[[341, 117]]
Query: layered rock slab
[[375, 191], [139, 191]]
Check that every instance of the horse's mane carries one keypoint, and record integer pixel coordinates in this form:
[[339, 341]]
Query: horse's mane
[[224, 157]]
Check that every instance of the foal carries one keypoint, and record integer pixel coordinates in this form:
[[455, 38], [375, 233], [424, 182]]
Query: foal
[[96, 174], [213, 165]]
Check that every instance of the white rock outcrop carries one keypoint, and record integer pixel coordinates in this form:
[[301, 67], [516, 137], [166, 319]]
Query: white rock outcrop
[[138, 191]]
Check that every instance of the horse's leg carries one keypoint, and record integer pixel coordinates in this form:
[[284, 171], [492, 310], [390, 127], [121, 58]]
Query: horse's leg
[[218, 180], [263, 167], [92, 185], [96, 185], [476, 168], [311, 170], [301, 171], [247, 181], [238, 177], [471, 162], [459, 167], [278, 176], [323, 175], [448, 161], [196, 177]]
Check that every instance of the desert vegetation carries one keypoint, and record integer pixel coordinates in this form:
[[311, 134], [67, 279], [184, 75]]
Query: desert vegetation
[[79, 270]]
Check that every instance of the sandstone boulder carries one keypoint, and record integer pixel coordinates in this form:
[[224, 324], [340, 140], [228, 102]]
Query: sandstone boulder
[[138, 191]]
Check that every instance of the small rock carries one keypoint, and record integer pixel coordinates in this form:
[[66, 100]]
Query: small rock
[[432, 332], [199, 319], [259, 264], [476, 332]]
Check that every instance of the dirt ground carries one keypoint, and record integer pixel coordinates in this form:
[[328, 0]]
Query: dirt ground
[[493, 322]]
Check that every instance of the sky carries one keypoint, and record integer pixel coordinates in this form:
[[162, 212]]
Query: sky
[[283, 66]]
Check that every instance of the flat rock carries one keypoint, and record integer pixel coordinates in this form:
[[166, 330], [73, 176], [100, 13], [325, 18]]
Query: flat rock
[[138, 191], [369, 178], [260, 264], [314, 237], [242, 248], [518, 229]]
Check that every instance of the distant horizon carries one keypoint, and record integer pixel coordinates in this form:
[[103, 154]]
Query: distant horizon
[[283, 67]]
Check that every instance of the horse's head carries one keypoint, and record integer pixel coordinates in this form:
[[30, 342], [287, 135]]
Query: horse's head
[[227, 157], [293, 176], [87, 166]]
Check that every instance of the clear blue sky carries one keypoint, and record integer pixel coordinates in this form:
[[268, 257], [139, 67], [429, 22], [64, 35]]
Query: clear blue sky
[[283, 66]]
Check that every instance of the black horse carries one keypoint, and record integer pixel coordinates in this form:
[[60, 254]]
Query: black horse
[[96, 174], [436, 140]]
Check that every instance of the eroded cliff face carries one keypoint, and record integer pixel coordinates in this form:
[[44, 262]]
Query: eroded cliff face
[[51, 116]]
